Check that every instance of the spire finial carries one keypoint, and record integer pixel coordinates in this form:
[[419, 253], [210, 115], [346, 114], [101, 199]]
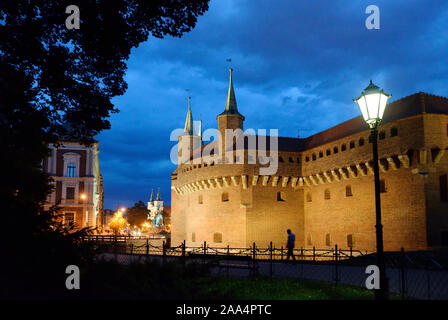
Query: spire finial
[[158, 194], [152, 196]]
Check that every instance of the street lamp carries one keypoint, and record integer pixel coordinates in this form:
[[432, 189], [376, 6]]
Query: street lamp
[[372, 103]]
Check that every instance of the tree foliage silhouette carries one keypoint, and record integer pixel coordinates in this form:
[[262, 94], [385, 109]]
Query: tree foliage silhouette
[[56, 85]]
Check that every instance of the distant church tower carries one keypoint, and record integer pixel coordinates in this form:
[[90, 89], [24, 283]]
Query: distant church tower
[[155, 207], [188, 140], [230, 118]]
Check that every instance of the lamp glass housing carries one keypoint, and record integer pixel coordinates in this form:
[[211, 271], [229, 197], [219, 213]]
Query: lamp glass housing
[[372, 104]]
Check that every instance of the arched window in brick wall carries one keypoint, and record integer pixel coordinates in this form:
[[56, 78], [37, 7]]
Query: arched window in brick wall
[[335, 150], [309, 197], [343, 147], [328, 240], [350, 241], [217, 237], [280, 159], [314, 156], [321, 154], [225, 197], [393, 132], [352, 144], [328, 152], [348, 191], [280, 196], [361, 142], [309, 240], [383, 188], [327, 194], [382, 135]]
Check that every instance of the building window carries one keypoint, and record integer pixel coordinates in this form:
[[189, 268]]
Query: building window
[[327, 195], [328, 152], [309, 197], [71, 170], [393, 132], [348, 191], [200, 199], [352, 144], [321, 154], [443, 188], [193, 237], [225, 197], [382, 135], [335, 150], [69, 220], [280, 196], [217, 237], [343, 147], [70, 193], [383, 186], [314, 156], [307, 158], [361, 142], [328, 240], [280, 159], [291, 159], [309, 240], [350, 240], [298, 160]]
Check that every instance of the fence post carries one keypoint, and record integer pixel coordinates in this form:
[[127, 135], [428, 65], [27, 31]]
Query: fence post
[[253, 260], [132, 248], [281, 253], [336, 263], [253, 252], [205, 252], [351, 251], [183, 249], [227, 260], [314, 253], [403, 278], [147, 246], [301, 253], [270, 258]]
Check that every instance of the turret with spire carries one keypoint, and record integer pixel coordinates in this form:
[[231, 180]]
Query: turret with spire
[[189, 141], [152, 196], [230, 118]]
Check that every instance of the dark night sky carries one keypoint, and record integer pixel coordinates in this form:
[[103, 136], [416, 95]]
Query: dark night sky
[[297, 65]]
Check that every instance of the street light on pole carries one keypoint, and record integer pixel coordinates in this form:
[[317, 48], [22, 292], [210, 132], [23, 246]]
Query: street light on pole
[[372, 103]]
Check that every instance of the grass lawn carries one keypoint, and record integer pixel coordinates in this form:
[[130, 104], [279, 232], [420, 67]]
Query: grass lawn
[[281, 289]]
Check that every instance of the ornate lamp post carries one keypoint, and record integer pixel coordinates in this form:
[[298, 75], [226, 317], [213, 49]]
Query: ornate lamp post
[[372, 103]]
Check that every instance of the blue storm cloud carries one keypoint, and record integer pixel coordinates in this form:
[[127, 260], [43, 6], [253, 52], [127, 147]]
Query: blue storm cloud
[[297, 66]]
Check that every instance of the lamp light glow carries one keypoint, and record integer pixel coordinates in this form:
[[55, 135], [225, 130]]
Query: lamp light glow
[[372, 104]]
